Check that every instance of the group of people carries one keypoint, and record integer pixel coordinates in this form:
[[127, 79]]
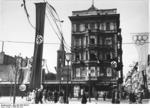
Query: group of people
[[46, 96], [135, 98]]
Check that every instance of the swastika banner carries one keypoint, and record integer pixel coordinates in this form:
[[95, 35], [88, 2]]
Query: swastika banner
[[38, 46]]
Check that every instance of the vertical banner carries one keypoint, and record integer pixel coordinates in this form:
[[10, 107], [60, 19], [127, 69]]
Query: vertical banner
[[141, 43], [38, 47]]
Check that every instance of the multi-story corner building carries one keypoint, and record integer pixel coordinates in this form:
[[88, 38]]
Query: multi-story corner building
[[96, 41]]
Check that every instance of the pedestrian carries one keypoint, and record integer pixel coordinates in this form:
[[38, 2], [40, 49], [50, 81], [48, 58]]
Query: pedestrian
[[84, 98], [115, 97], [50, 96], [22, 95], [44, 95], [65, 98], [55, 96], [140, 97], [41, 96], [79, 95], [104, 96], [132, 97], [96, 95], [61, 94], [33, 96]]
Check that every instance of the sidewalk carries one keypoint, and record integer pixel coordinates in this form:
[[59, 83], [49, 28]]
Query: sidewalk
[[9, 100], [23, 101]]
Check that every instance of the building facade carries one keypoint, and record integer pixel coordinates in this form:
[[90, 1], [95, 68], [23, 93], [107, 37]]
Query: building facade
[[96, 41], [137, 81]]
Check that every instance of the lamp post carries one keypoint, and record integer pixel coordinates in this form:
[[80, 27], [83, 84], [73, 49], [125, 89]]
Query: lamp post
[[18, 61], [68, 58], [114, 66], [60, 70]]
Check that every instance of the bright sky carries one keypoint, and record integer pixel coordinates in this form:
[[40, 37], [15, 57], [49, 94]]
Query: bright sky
[[14, 25]]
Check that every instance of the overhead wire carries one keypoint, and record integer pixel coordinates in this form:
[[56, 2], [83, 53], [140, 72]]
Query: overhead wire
[[27, 14], [25, 42], [51, 11], [66, 46]]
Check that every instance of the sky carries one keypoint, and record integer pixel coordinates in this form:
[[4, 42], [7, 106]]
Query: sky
[[14, 26]]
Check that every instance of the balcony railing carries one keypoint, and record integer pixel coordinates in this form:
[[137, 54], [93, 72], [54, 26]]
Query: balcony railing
[[94, 31], [91, 46]]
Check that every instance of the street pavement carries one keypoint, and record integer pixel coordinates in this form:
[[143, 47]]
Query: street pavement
[[23, 101]]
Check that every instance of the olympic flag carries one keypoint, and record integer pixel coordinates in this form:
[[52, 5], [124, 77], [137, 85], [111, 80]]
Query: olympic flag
[[141, 44]]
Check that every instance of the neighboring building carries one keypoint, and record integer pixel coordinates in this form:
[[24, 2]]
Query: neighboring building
[[61, 62], [138, 80], [96, 41], [8, 68]]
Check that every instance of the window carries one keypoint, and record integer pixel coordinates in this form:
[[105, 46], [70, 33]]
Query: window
[[109, 71], [82, 27], [77, 57], [89, 27], [92, 26], [115, 26], [98, 71], [84, 41], [118, 45], [77, 72], [93, 71], [73, 55], [112, 26], [77, 27], [108, 41], [103, 26], [92, 40], [83, 72], [74, 29], [101, 73], [119, 59], [84, 55], [77, 42], [107, 26], [100, 56], [100, 41], [96, 26], [108, 56], [93, 55]]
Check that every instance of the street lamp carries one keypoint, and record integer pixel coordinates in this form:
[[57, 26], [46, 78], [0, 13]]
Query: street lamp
[[68, 59], [17, 66], [60, 71], [114, 66]]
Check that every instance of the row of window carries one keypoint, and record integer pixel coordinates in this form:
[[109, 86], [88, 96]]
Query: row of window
[[93, 26], [92, 55], [92, 40], [94, 71]]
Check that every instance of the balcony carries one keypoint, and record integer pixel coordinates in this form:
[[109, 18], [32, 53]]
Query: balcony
[[106, 79]]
